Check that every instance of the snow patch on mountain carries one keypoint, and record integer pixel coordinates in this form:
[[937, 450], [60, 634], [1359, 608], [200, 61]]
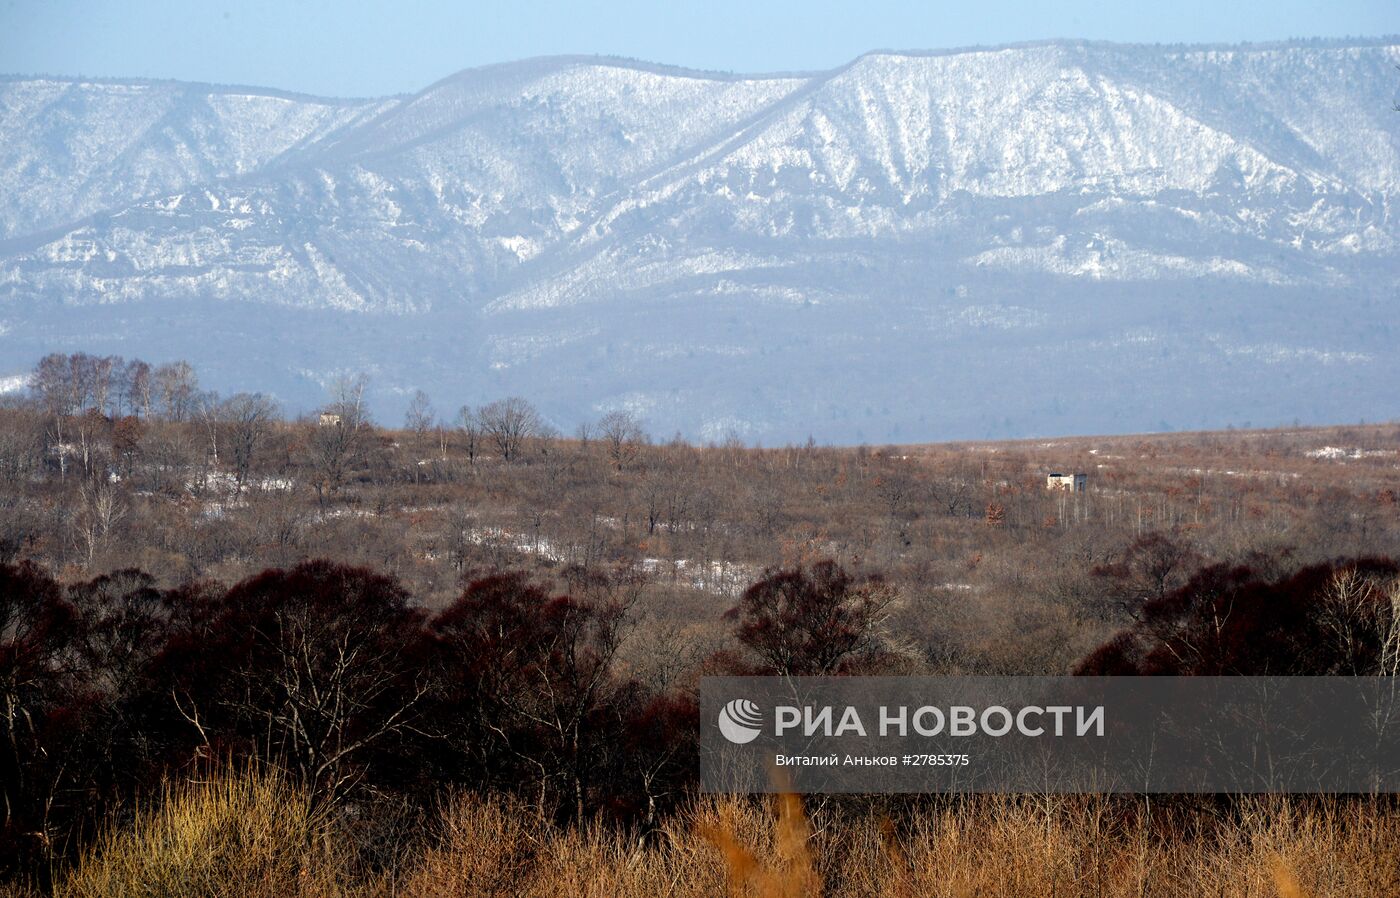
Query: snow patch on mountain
[[912, 245]]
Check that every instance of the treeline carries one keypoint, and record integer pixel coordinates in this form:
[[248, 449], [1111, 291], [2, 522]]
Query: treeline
[[112, 386], [331, 673], [68, 385], [94, 401], [375, 706]]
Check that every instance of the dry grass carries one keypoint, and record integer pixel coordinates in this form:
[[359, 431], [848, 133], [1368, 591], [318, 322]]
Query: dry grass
[[253, 836], [985, 848]]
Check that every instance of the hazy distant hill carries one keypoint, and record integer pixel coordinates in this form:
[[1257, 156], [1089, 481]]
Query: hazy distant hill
[[1051, 238]]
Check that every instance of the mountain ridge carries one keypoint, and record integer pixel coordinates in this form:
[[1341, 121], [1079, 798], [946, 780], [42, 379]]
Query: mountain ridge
[[1360, 41], [573, 214]]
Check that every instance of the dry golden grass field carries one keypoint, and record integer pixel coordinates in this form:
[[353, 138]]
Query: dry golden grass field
[[255, 836]]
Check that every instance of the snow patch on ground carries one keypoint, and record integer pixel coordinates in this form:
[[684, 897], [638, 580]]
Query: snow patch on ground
[[1337, 452]]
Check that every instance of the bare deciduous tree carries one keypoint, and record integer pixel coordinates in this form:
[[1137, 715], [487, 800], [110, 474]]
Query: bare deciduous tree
[[100, 510], [420, 415], [139, 388], [333, 694], [508, 423], [1362, 612], [246, 418], [56, 388], [338, 443], [470, 425], [177, 390], [546, 677], [622, 434], [812, 621]]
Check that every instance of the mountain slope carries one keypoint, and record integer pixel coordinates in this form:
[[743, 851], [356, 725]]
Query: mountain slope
[[1056, 237], [75, 148]]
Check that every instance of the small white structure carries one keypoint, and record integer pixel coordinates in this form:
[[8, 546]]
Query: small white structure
[[1069, 483], [329, 419]]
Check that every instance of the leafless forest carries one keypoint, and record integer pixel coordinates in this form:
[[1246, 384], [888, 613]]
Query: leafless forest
[[468, 603]]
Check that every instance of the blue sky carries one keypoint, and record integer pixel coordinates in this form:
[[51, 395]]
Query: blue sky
[[358, 48]]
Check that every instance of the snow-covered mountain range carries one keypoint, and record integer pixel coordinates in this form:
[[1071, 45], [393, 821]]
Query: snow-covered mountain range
[[1061, 237]]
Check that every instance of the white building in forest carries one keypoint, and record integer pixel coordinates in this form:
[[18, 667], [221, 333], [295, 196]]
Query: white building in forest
[[1069, 483]]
